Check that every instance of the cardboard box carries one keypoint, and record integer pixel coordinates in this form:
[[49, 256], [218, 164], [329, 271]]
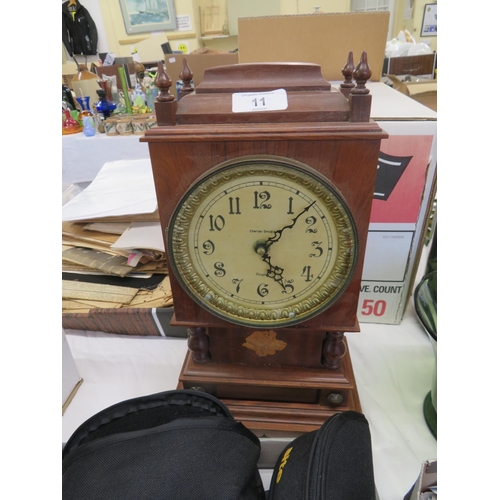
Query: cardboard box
[[324, 39], [198, 63], [425, 486], [71, 379], [404, 194], [425, 92], [410, 65]]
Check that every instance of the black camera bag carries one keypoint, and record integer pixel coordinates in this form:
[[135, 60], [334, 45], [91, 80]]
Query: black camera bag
[[176, 445], [331, 463]]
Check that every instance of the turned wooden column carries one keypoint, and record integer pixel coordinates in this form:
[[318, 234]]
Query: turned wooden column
[[198, 344], [334, 350]]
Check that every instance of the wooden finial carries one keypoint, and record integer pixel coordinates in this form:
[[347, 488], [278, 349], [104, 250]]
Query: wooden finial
[[163, 83], [347, 71], [360, 99], [362, 74], [165, 103], [186, 75]]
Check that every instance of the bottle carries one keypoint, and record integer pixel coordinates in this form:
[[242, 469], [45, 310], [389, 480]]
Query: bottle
[[70, 126], [85, 83], [104, 106], [67, 97], [85, 108]]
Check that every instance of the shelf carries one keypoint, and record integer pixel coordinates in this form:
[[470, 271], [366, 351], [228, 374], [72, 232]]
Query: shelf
[[212, 37]]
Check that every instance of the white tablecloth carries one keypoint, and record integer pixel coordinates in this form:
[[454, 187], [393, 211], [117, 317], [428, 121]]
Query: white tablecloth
[[83, 157]]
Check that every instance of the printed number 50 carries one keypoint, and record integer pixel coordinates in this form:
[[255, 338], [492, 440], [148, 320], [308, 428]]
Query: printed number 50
[[377, 308]]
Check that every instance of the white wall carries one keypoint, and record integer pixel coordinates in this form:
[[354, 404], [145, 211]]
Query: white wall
[[107, 16]]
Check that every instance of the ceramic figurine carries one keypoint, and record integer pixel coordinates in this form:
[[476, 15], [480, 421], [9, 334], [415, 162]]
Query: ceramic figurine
[[88, 126]]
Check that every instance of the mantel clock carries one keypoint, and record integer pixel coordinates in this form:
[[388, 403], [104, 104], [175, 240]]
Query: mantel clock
[[264, 177]]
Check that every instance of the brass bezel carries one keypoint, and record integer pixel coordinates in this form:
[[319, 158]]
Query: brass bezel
[[197, 287]]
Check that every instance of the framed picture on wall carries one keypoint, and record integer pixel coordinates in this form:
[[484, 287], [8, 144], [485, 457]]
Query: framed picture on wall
[[142, 16], [429, 22]]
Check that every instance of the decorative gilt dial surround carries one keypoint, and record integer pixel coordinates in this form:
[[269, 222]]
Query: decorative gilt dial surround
[[263, 241]]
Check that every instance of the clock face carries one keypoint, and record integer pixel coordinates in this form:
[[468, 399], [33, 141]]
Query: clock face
[[263, 241]]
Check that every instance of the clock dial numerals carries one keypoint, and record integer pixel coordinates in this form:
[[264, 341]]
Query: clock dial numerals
[[234, 206], [219, 272], [260, 200], [311, 221], [319, 250], [258, 245], [208, 247], [217, 222], [306, 273], [237, 282]]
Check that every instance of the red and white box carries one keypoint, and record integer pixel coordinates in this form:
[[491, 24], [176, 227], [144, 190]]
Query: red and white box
[[403, 201]]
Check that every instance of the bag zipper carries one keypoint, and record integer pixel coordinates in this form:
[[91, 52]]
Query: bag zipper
[[313, 471], [316, 467]]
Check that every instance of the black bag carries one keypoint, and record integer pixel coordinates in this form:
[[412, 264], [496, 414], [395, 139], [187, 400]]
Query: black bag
[[332, 463], [176, 445]]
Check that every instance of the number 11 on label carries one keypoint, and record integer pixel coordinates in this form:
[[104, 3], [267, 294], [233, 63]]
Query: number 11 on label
[[261, 101], [275, 100]]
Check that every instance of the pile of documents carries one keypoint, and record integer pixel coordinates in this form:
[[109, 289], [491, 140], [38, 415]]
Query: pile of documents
[[113, 253]]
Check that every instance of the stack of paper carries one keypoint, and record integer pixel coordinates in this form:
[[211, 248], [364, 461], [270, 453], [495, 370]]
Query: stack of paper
[[137, 249], [112, 229], [81, 297]]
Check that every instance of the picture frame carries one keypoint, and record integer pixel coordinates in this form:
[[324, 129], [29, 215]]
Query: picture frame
[[142, 16], [429, 21]]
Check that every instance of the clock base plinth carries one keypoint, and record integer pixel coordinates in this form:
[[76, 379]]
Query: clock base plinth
[[292, 399]]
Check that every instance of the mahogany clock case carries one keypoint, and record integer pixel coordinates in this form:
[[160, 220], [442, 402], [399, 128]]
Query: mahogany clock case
[[299, 386], [348, 164]]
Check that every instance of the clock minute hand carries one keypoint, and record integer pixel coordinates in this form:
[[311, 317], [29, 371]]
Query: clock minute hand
[[279, 232], [262, 248]]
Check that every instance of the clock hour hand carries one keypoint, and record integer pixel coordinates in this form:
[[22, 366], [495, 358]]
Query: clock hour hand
[[274, 272]]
